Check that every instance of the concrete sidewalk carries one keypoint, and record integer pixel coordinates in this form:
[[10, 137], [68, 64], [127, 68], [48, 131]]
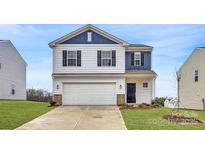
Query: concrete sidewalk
[[78, 118]]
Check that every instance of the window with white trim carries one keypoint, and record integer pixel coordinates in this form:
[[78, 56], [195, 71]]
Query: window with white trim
[[145, 84], [72, 58], [196, 75], [89, 36], [137, 58], [106, 58]]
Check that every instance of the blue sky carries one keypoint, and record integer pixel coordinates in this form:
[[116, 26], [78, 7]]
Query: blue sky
[[172, 45]]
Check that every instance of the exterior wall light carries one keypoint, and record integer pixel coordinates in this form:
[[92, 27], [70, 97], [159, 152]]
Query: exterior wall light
[[120, 86], [57, 86]]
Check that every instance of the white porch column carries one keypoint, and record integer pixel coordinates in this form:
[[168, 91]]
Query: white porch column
[[153, 88]]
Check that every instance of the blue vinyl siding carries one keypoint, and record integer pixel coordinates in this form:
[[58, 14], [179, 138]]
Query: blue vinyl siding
[[147, 62], [82, 39]]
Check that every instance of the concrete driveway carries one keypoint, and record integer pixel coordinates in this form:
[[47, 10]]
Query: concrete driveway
[[78, 118]]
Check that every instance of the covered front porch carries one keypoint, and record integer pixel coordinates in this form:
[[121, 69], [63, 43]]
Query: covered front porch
[[140, 87]]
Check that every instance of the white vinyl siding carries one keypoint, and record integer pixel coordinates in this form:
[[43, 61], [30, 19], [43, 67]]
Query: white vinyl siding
[[89, 94], [12, 73], [191, 92], [143, 95], [89, 59]]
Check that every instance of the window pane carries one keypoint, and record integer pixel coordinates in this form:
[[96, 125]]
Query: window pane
[[71, 62], [196, 75], [196, 72], [145, 85], [106, 54], [12, 91], [196, 78], [106, 62], [106, 58], [137, 62], [71, 54], [137, 58], [72, 58]]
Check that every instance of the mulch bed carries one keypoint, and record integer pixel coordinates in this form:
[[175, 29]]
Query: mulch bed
[[182, 119], [140, 106]]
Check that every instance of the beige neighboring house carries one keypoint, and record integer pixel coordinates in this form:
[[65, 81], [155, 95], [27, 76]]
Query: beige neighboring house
[[192, 80], [12, 72]]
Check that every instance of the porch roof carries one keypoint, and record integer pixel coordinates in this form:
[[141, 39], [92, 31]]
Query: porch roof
[[141, 73]]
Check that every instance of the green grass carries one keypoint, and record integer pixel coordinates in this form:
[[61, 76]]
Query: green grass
[[15, 113], [152, 119]]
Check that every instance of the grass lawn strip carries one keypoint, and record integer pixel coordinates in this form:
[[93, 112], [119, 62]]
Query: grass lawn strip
[[15, 113], [152, 119]]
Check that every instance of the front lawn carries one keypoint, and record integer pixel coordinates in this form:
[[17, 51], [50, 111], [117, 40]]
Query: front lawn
[[152, 119], [15, 113]]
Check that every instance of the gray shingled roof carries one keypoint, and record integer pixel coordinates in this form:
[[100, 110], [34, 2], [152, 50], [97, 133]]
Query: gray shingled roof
[[139, 45], [4, 40]]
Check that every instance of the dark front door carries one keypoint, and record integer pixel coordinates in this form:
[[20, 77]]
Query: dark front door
[[131, 92]]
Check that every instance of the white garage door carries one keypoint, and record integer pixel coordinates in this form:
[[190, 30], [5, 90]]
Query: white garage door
[[89, 94]]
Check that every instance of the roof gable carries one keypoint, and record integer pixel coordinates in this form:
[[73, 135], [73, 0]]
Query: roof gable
[[82, 39], [7, 45], [190, 57], [99, 35]]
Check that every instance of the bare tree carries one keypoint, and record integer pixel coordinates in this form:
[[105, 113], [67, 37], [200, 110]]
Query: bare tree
[[38, 95]]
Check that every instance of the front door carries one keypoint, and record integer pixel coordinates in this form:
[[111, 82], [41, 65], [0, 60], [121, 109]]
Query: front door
[[131, 92]]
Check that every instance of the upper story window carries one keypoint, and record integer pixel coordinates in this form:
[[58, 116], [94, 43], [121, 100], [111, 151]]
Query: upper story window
[[106, 58], [89, 36], [145, 84], [137, 58], [196, 75], [72, 58]]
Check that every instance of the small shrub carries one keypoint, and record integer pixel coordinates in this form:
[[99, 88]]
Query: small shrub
[[52, 103], [140, 106], [159, 101], [145, 106]]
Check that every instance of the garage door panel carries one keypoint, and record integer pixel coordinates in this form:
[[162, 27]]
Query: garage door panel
[[89, 94]]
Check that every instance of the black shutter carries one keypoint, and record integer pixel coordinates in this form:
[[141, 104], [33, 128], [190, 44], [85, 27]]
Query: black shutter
[[78, 58], [113, 58], [64, 58], [142, 59], [132, 58], [99, 57]]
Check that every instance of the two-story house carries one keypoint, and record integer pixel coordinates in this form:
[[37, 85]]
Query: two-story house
[[93, 67], [192, 81], [12, 72]]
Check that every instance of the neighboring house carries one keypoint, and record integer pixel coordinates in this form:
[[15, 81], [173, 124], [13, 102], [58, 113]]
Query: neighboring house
[[12, 72], [93, 67], [192, 80]]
